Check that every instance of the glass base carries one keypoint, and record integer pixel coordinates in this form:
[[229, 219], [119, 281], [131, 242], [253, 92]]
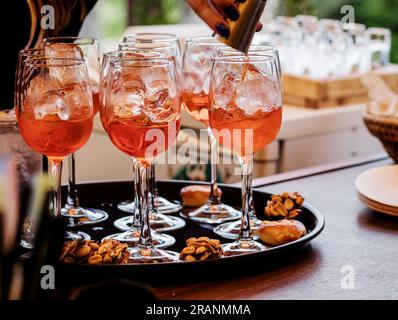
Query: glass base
[[26, 244], [77, 235], [164, 206], [126, 206], [242, 247], [158, 222], [231, 230], [83, 216], [132, 236], [152, 255], [213, 214]]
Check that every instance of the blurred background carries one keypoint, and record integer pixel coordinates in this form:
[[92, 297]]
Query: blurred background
[[320, 126], [110, 18]]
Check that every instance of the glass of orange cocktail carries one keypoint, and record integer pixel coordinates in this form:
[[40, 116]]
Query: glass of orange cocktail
[[245, 116], [86, 48], [142, 117], [197, 64], [55, 111]]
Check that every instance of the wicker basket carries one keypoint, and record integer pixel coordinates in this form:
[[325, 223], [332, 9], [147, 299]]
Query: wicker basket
[[386, 129]]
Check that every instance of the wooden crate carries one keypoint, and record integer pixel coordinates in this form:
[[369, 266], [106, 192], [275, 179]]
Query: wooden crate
[[334, 91]]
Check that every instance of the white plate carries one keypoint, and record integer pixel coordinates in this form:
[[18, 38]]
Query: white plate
[[392, 211], [379, 185]]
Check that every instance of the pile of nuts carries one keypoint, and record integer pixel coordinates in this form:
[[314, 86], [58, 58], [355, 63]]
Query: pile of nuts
[[286, 206], [202, 248], [83, 251]]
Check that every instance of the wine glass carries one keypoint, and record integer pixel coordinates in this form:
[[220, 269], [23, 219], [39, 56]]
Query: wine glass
[[197, 63], [117, 55], [148, 37], [159, 206], [132, 224], [55, 112], [380, 46], [88, 49], [230, 230], [143, 101], [245, 116], [167, 50], [23, 55], [156, 41]]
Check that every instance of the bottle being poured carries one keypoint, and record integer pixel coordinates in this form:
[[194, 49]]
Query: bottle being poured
[[243, 29]]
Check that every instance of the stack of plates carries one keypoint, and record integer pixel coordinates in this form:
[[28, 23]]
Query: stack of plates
[[378, 189]]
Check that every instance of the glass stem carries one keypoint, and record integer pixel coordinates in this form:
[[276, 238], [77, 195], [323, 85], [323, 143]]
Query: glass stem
[[252, 214], [213, 198], [55, 170], [144, 169], [247, 170], [72, 200], [137, 212], [152, 187]]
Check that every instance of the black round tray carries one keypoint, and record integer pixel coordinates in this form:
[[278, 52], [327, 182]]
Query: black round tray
[[106, 195]]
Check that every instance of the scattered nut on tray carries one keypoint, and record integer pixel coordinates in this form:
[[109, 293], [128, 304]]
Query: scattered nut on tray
[[87, 251], [202, 248], [286, 206], [196, 195]]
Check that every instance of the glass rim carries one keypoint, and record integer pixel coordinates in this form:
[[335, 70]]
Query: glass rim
[[66, 39], [160, 45], [112, 54], [145, 62], [30, 51], [254, 48], [250, 58], [71, 62], [379, 30], [163, 36], [204, 41]]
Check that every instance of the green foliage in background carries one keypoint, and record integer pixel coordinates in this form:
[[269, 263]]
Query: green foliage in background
[[372, 13], [295, 7], [113, 17], [157, 11]]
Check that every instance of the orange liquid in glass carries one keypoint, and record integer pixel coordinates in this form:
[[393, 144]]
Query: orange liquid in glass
[[96, 102], [245, 134], [197, 105], [141, 138], [52, 136]]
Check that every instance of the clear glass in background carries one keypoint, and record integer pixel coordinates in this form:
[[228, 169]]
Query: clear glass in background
[[152, 84], [198, 58], [380, 46], [87, 49], [245, 116], [55, 113], [324, 48]]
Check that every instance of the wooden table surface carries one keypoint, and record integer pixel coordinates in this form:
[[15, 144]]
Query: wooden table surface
[[355, 257]]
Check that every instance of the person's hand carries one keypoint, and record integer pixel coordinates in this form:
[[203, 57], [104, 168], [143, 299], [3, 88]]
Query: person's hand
[[216, 12]]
